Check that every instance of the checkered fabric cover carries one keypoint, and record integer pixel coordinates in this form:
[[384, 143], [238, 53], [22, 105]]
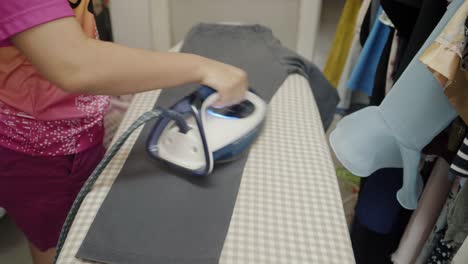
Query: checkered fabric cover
[[288, 209]]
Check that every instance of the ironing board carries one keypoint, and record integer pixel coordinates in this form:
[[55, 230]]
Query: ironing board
[[283, 214]]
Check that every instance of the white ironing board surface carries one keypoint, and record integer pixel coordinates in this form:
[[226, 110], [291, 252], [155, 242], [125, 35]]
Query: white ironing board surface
[[288, 208]]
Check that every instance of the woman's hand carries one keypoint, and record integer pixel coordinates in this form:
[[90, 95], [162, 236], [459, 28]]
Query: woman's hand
[[230, 82]]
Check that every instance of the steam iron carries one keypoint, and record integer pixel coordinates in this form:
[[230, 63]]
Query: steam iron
[[192, 135]]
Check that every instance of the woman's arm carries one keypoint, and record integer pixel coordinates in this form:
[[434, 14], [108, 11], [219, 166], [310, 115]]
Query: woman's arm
[[63, 54]]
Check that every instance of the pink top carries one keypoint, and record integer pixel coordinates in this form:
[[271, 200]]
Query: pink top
[[36, 117]]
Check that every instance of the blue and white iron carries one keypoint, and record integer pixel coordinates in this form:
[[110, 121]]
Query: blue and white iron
[[192, 136]]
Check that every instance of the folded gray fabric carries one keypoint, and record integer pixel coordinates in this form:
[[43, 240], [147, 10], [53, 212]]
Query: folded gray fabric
[[153, 214], [457, 229]]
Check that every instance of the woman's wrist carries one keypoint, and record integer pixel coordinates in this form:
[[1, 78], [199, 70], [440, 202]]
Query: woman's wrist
[[202, 69]]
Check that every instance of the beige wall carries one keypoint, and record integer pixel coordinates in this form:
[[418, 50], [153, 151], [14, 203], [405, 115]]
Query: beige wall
[[279, 15], [126, 29]]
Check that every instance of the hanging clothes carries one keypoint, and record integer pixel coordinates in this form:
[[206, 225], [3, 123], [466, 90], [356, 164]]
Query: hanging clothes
[[393, 134], [376, 207], [439, 229], [392, 63], [370, 247], [380, 79], [343, 91], [413, 3], [457, 219], [460, 162], [425, 216], [444, 58], [374, 12], [442, 253], [380, 221], [457, 135], [446, 144], [365, 26], [363, 74], [462, 255], [369, 20], [403, 16], [342, 42], [414, 21], [430, 13], [457, 93], [443, 245]]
